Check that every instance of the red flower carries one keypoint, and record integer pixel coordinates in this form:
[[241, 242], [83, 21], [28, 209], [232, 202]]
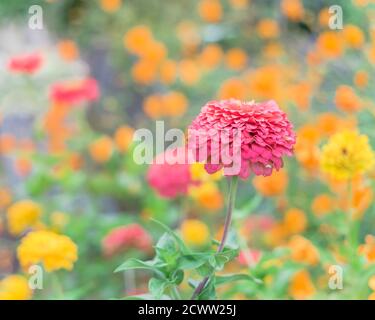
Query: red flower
[[248, 256], [241, 137], [75, 92], [27, 64], [132, 236]]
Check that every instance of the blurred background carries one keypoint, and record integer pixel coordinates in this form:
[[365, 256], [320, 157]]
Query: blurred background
[[73, 93]]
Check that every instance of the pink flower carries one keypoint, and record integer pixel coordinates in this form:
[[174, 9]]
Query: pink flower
[[75, 92], [248, 256], [241, 137], [170, 179], [132, 236], [28, 63]]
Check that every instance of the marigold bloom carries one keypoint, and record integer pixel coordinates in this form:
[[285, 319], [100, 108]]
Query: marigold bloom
[[330, 44], [75, 92], [236, 59], [353, 36], [233, 88], [137, 39], [211, 56], [268, 28], [301, 286], [23, 215], [68, 50], [54, 251], [101, 149], [15, 287], [7, 143], [189, 72], [347, 100], [170, 180], [272, 185], [110, 5], [295, 221], [210, 10], [346, 155], [124, 138], [361, 79], [260, 132], [131, 236], [292, 9], [302, 250], [5, 198], [195, 232], [168, 71], [322, 205], [368, 248], [207, 196], [144, 71], [27, 64]]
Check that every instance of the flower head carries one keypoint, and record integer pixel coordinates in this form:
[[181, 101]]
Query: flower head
[[126, 237], [195, 232], [169, 174], [53, 250], [15, 287], [241, 137], [23, 215], [27, 64], [346, 155]]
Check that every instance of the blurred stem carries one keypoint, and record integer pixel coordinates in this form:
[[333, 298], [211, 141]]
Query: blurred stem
[[228, 219], [175, 293], [129, 281]]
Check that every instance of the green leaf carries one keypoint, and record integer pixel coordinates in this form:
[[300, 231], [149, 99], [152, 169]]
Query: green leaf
[[157, 287], [181, 244], [192, 261], [139, 264], [209, 292], [235, 277], [177, 277], [146, 296]]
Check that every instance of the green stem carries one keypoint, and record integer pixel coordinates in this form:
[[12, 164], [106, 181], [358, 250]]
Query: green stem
[[228, 219], [57, 286], [176, 293]]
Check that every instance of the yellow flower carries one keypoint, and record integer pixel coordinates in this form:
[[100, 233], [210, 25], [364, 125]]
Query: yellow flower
[[207, 195], [22, 215], [301, 286], [346, 155], [198, 173], [371, 283], [53, 250], [195, 232], [15, 287]]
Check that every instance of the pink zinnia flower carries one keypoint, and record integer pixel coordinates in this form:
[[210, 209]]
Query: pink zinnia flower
[[132, 236], [170, 178], [241, 137], [28, 63], [248, 256], [75, 92]]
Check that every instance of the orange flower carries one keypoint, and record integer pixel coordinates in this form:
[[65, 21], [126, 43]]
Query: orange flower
[[174, 104], [211, 56], [272, 185], [347, 100], [5, 198], [368, 249], [101, 149], [292, 9], [189, 72], [301, 94], [110, 5], [123, 138], [233, 88], [330, 44], [322, 205], [295, 221], [68, 50], [328, 123], [7, 143], [362, 199], [210, 10], [168, 71], [353, 36], [302, 250], [137, 39], [23, 166], [153, 106], [154, 52], [236, 59], [361, 79], [301, 286], [324, 17], [273, 50], [268, 29], [144, 72]]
